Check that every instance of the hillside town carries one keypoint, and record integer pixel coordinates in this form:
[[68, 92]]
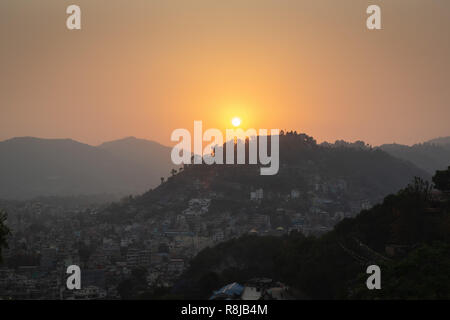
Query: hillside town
[[111, 242]]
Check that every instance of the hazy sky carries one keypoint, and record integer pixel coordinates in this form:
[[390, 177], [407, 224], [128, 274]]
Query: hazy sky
[[144, 68]]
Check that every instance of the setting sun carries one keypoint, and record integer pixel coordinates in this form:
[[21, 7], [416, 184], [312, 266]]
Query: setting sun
[[236, 122]]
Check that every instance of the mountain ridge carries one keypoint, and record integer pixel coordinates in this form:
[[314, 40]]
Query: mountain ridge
[[431, 156], [32, 167]]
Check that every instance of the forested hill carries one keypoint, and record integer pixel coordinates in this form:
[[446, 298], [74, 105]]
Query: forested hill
[[408, 236], [365, 173]]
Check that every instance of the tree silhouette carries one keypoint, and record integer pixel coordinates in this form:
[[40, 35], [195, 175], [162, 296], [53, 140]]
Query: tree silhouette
[[162, 180], [441, 180]]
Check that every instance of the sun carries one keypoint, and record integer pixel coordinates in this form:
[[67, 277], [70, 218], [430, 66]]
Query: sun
[[236, 121]]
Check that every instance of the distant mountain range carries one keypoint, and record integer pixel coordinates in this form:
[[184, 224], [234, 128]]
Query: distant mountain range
[[31, 167], [445, 141], [430, 156]]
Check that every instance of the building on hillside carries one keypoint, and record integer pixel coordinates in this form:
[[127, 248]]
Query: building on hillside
[[295, 194], [257, 195]]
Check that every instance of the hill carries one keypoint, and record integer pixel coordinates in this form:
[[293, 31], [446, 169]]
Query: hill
[[408, 236], [321, 177], [360, 173], [140, 152], [32, 167], [430, 156], [444, 141], [204, 205]]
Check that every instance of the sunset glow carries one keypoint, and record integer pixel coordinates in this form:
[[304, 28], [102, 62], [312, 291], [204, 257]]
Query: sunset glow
[[219, 60]]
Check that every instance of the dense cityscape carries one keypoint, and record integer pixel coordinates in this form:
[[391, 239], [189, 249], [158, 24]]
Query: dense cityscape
[[49, 237]]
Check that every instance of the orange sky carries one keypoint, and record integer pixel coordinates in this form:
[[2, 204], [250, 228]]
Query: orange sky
[[144, 68]]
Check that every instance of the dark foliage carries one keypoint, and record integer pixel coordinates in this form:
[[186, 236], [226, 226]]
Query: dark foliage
[[4, 231]]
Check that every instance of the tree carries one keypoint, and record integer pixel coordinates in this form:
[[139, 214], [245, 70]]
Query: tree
[[173, 172], [418, 187], [4, 232], [162, 180], [441, 180]]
